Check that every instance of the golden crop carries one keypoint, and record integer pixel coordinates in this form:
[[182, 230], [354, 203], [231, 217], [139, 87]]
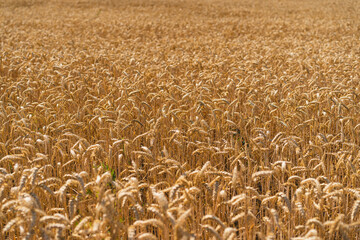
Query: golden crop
[[179, 119]]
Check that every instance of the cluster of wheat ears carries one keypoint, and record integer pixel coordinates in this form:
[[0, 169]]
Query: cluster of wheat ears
[[179, 119]]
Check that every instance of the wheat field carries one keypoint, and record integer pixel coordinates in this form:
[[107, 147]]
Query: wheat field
[[179, 119]]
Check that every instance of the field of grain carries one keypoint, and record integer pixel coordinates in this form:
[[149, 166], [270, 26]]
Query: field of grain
[[179, 119]]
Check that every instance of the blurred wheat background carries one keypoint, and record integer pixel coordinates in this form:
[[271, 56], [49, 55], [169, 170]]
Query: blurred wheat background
[[164, 119]]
